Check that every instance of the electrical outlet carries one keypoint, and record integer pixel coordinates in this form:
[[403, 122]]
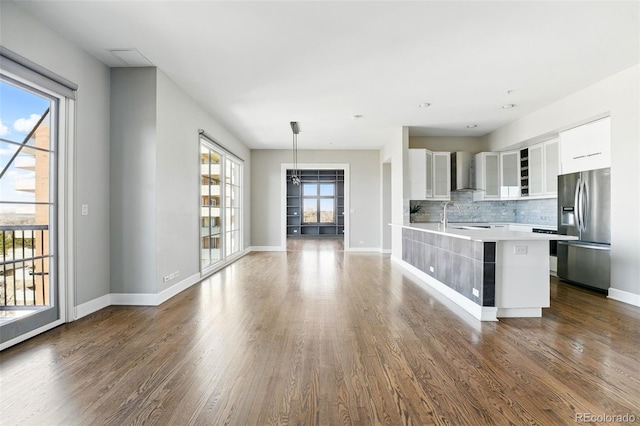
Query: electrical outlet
[[520, 250], [85, 210], [476, 293], [176, 274], [432, 269], [165, 278]]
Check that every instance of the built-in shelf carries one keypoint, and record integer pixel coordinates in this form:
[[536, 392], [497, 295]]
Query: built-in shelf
[[296, 227]]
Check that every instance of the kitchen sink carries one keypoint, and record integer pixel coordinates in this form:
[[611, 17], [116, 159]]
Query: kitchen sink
[[470, 227]]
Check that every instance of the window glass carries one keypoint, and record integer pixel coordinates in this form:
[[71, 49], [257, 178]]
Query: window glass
[[327, 189], [327, 212], [310, 210], [310, 189]]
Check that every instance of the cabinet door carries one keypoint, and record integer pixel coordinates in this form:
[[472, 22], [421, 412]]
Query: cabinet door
[[441, 175], [551, 166], [429, 174], [491, 174], [586, 147], [417, 174], [536, 170], [510, 167]]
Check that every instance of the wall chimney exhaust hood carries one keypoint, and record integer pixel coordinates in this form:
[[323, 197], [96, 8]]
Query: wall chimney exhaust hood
[[461, 172]]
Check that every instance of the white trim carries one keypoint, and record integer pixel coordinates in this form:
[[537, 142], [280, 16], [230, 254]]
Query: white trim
[[266, 248], [179, 287], [134, 299], [624, 296], [482, 313], [519, 312], [93, 306], [314, 166], [385, 251], [363, 249], [68, 252], [30, 334]]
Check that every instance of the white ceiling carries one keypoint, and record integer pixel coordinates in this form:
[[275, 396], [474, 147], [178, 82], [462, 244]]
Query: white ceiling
[[256, 66]]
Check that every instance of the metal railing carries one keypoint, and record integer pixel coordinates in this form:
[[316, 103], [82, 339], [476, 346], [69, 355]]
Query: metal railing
[[24, 265]]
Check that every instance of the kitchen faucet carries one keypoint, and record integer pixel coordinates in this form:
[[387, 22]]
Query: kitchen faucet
[[444, 215]]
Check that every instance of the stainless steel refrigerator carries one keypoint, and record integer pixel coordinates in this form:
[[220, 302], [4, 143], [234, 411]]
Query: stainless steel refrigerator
[[584, 211]]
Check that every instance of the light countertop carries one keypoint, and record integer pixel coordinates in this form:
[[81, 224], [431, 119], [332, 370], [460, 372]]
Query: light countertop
[[484, 234]]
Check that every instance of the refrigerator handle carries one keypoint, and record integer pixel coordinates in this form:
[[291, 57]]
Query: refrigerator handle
[[576, 204], [584, 209]]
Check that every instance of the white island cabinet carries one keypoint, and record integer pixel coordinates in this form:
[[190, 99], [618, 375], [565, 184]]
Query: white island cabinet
[[490, 272]]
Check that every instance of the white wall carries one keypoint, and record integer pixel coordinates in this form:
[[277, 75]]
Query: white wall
[[618, 95], [178, 179], [46, 48], [449, 143], [364, 194], [395, 153], [155, 182]]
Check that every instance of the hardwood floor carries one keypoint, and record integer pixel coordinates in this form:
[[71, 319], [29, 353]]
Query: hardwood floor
[[319, 336]]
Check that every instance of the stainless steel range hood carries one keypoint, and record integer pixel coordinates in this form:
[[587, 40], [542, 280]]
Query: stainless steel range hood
[[462, 178]]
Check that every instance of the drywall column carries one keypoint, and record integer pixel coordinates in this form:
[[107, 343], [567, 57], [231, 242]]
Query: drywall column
[[133, 180]]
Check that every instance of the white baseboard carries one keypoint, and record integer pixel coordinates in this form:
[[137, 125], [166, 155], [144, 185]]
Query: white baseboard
[[385, 251], [266, 248], [134, 299], [363, 249], [624, 296], [482, 313], [168, 293], [92, 306]]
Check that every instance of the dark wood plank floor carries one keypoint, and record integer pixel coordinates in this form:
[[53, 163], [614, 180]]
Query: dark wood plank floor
[[318, 336]]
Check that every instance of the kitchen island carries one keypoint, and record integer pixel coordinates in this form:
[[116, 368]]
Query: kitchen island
[[490, 272]]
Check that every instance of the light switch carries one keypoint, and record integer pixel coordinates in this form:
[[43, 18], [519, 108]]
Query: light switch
[[85, 209]]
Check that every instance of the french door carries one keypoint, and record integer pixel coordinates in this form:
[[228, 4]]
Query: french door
[[31, 115], [220, 205]]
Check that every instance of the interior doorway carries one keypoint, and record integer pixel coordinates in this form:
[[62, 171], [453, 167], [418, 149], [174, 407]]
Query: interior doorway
[[319, 205]]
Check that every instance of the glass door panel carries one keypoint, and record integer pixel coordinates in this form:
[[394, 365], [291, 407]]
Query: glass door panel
[[28, 179], [220, 197]]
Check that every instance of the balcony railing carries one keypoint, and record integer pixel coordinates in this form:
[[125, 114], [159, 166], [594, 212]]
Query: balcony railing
[[24, 265]]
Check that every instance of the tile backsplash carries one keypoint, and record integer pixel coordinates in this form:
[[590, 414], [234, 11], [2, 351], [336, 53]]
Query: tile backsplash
[[535, 212]]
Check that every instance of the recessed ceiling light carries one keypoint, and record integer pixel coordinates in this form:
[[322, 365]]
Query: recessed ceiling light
[[507, 106], [424, 105], [356, 116], [472, 126]]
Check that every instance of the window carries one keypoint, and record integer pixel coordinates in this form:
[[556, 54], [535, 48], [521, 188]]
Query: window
[[318, 201], [220, 205]]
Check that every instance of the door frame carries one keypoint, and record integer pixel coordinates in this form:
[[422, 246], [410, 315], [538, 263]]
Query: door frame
[[283, 196], [65, 218]]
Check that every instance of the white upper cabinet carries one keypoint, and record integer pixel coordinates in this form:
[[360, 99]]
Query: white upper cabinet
[[417, 174], [429, 174], [510, 174], [442, 175], [586, 147], [536, 170], [543, 166], [551, 166], [487, 175]]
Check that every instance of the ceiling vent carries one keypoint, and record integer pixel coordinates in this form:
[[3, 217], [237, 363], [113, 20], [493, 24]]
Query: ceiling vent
[[130, 58]]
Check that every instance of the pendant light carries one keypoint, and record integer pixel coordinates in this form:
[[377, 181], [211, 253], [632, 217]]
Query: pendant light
[[295, 128]]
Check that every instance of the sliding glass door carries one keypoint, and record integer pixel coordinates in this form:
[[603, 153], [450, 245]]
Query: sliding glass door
[[220, 205], [28, 176]]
